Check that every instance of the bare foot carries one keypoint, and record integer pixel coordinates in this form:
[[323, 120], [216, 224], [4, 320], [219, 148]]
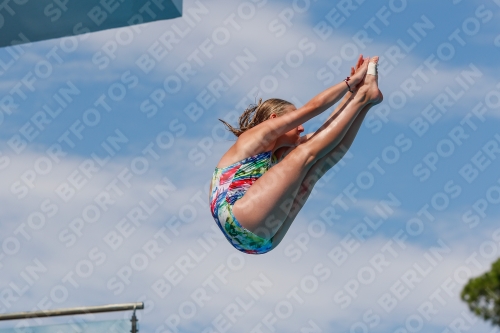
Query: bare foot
[[369, 90]]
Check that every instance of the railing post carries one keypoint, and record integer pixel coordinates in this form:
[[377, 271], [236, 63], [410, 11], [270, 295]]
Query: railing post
[[134, 323]]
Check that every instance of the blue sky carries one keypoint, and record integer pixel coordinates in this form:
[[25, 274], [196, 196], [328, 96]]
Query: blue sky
[[81, 187]]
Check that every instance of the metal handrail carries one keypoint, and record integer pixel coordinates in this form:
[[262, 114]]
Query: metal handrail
[[72, 311]]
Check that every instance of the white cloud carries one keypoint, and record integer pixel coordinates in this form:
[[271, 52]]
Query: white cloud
[[318, 303]]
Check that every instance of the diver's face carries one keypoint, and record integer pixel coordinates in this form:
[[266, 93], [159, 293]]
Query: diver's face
[[291, 137]]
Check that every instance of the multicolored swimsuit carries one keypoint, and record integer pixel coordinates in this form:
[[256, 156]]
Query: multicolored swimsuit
[[229, 184]]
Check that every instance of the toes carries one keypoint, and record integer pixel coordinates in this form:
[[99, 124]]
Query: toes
[[372, 67], [370, 79]]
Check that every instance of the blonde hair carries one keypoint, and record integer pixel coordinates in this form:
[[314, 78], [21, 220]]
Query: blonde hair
[[258, 113]]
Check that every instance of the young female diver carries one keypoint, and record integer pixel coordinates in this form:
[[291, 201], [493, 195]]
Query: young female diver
[[264, 179]]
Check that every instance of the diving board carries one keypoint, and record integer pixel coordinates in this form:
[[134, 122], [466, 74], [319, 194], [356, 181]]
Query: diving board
[[23, 21]]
